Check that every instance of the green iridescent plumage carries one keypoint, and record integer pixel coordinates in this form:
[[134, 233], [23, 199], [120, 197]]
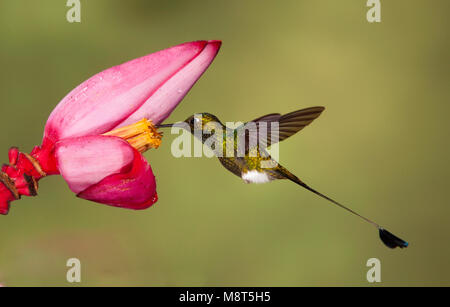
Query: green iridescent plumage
[[243, 150]]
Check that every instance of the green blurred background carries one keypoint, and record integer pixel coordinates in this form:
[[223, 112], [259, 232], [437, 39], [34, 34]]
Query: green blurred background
[[381, 146]]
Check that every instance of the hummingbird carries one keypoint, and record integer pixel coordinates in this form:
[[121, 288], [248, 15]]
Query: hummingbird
[[248, 157]]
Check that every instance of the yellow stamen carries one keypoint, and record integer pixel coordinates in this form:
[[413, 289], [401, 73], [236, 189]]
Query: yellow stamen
[[142, 135]]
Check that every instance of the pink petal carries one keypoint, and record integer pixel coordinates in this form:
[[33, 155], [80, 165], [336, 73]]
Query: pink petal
[[85, 161], [110, 97], [159, 106], [135, 189]]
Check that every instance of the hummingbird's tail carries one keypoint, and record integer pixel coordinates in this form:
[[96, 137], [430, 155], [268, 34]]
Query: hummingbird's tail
[[388, 238]]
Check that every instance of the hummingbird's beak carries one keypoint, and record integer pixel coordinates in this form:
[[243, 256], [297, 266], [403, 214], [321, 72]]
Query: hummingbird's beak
[[177, 124], [165, 126]]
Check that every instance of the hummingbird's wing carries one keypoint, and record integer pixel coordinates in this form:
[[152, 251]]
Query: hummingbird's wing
[[262, 130], [272, 117]]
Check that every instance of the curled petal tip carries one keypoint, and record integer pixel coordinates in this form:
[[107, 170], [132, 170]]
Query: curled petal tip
[[216, 42], [166, 98]]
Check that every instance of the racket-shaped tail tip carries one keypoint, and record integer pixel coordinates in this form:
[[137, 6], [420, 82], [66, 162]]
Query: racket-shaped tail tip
[[391, 240]]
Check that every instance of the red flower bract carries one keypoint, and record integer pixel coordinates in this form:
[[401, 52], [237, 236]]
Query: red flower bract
[[95, 135]]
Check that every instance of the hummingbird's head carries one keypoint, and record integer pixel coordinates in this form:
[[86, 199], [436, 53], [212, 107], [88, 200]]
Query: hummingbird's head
[[205, 122]]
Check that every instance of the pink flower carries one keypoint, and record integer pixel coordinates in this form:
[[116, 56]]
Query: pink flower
[[95, 136]]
